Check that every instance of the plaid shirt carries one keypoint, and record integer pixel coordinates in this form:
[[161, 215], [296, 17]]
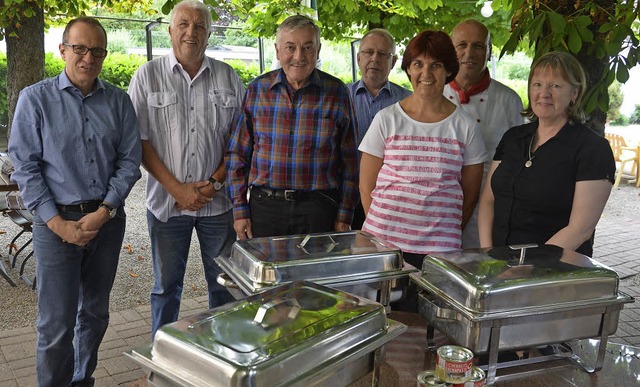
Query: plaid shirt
[[294, 139]]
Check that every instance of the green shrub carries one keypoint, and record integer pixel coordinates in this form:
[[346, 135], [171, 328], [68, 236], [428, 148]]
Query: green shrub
[[119, 68], [245, 71], [53, 65]]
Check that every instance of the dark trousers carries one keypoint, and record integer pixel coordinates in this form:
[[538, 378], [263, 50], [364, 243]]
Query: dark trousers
[[358, 217], [409, 303], [308, 213]]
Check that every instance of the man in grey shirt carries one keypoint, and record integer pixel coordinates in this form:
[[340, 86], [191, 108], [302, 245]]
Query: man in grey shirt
[[187, 104]]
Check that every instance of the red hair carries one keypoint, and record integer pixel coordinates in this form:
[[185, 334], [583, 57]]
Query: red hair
[[436, 45]]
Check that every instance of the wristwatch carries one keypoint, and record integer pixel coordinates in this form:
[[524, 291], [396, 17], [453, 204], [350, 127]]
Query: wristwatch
[[216, 184], [110, 209]]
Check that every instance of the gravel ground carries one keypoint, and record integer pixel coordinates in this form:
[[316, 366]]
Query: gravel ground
[[134, 279], [135, 274]]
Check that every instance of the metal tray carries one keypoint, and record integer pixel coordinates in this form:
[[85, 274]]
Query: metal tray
[[287, 335], [342, 258], [514, 279]]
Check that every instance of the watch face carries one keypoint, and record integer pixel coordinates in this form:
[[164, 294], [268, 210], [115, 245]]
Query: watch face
[[217, 186]]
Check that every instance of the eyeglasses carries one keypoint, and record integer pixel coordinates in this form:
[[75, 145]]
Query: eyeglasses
[[79, 49], [369, 53]]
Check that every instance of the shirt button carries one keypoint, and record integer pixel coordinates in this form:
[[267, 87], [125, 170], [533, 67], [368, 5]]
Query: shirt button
[[193, 154], [88, 140], [94, 182], [92, 161], [86, 119], [189, 176], [193, 130], [477, 120], [192, 108], [481, 99]]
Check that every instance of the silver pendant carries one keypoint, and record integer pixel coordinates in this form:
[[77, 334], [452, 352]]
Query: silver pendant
[[528, 163]]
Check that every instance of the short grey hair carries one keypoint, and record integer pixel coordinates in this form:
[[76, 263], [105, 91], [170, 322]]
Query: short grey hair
[[384, 34], [295, 22], [193, 4]]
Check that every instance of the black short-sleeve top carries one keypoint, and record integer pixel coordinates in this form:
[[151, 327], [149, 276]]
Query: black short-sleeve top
[[532, 204]]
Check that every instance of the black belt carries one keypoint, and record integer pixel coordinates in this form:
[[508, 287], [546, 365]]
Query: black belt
[[82, 208], [293, 195]]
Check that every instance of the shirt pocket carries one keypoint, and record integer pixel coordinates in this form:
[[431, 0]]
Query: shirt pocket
[[163, 111], [222, 109]]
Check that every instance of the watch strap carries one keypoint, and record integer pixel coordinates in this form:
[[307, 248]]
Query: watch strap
[[110, 209]]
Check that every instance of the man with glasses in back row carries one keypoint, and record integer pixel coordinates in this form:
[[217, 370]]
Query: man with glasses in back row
[[373, 92], [76, 151]]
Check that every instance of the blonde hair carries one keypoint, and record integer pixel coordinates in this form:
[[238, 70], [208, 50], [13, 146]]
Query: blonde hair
[[568, 67]]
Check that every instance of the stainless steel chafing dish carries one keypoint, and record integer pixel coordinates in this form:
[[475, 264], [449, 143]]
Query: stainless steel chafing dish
[[519, 297], [297, 334], [344, 260]]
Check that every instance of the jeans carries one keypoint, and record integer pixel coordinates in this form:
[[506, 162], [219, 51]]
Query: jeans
[[73, 300], [170, 243]]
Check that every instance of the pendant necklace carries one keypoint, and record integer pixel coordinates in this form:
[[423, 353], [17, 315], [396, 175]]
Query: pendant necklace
[[529, 162]]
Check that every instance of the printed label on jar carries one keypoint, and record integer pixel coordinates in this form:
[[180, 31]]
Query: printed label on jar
[[477, 379], [429, 379], [454, 364]]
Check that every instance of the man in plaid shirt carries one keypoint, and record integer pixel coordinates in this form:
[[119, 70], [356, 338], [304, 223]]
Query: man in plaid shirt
[[294, 148]]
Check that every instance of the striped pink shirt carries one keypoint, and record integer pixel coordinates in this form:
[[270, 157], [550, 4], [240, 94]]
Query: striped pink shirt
[[417, 200]]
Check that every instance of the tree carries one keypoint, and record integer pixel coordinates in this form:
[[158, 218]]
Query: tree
[[22, 25], [616, 98], [599, 32]]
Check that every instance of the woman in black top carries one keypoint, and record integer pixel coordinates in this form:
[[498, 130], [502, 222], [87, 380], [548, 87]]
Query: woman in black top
[[550, 178]]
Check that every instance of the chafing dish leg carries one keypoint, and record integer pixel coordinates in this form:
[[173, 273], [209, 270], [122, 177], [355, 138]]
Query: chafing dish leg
[[431, 344], [384, 294], [378, 357], [602, 345], [494, 343]]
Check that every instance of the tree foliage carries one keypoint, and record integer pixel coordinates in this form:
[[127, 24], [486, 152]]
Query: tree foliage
[[602, 34], [343, 20]]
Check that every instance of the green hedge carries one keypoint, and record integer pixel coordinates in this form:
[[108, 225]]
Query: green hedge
[[117, 69]]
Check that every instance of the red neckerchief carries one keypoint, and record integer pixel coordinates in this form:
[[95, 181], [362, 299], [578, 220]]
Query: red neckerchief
[[473, 90]]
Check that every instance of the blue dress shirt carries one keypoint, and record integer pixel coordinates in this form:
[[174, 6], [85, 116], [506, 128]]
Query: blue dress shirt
[[367, 106], [68, 148]]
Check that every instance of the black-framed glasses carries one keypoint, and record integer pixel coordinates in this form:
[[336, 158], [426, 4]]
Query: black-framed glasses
[[79, 49], [381, 54]]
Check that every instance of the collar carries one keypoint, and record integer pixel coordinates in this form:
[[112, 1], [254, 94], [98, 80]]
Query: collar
[[174, 64], [64, 82], [361, 86], [281, 78], [478, 88]]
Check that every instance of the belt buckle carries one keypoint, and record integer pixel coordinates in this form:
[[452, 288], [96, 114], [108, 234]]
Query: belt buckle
[[82, 208], [290, 195]]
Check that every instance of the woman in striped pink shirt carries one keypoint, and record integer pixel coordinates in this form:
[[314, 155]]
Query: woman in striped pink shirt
[[421, 166]]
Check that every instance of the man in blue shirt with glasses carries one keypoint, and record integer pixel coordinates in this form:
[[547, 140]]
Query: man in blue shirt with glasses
[[76, 150]]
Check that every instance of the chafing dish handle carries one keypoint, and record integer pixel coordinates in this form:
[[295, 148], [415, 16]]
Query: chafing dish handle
[[523, 250], [226, 281], [441, 313], [260, 317]]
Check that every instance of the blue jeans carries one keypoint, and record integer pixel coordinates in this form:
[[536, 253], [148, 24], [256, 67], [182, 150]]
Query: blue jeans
[[73, 285], [170, 242]]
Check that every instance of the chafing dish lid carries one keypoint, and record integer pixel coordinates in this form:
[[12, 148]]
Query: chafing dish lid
[[503, 278], [319, 245], [269, 324], [275, 260]]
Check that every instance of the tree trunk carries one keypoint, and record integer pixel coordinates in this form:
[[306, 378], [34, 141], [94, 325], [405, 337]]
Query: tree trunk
[[594, 68], [25, 56]]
